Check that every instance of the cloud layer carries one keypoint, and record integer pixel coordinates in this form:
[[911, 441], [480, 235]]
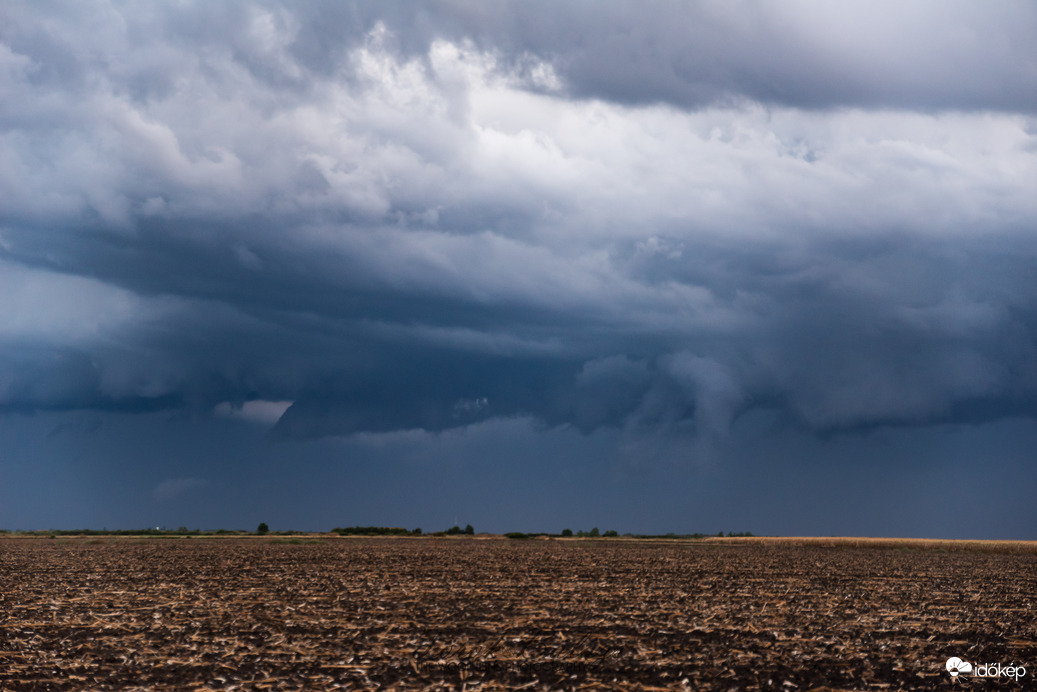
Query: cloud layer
[[653, 219]]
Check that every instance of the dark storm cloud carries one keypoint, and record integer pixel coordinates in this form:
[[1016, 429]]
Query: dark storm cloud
[[652, 218], [929, 55]]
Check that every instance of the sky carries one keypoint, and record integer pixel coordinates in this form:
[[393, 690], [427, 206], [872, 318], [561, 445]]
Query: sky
[[652, 267]]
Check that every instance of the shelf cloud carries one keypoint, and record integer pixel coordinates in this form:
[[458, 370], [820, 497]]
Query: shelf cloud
[[592, 215]]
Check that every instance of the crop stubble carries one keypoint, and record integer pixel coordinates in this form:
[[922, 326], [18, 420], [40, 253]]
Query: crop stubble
[[493, 614]]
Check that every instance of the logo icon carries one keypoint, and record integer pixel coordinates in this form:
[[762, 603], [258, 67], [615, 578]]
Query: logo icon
[[955, 666]]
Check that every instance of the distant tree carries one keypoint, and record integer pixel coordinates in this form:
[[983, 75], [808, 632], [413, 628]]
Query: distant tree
[[416, 532], [581, 534], [453, 530], [263, 528], [372, 531], [469, 531], [594, 532], [567, 533], [611, 534]]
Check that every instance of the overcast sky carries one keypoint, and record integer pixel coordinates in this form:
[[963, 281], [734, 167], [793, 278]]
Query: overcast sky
[[645, 266]]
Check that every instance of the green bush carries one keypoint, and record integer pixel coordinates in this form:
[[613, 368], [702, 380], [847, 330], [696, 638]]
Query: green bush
[[567, 533], [262, 528]]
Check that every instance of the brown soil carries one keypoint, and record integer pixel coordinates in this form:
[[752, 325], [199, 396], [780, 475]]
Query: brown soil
[[494, 614]]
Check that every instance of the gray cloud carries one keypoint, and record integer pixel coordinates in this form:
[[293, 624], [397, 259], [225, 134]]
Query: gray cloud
[[593, 215], [174, 488]]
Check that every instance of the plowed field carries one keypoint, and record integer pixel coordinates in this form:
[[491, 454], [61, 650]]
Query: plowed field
[[493, 614]]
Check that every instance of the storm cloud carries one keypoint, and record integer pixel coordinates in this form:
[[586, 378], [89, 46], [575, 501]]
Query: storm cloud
[[648, 218]]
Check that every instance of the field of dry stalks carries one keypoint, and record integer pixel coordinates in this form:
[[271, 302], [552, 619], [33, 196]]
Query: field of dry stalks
[[498, 614]]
